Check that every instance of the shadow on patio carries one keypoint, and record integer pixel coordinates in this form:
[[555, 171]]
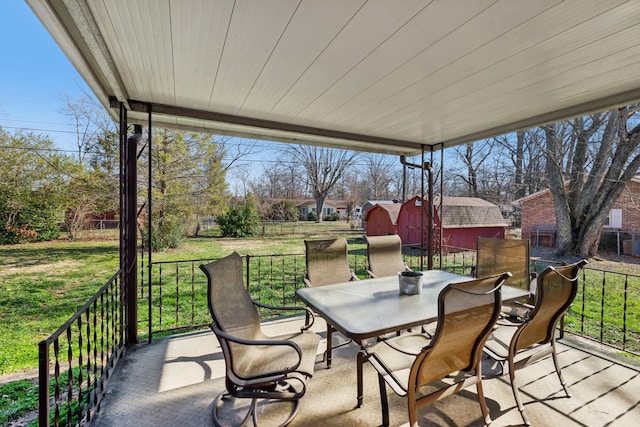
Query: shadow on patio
[[175, 380]]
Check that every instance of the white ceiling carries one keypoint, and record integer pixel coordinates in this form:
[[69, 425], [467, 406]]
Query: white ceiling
[[379, 75]]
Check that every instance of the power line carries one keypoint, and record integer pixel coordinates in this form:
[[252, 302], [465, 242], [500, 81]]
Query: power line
[[38, 130]]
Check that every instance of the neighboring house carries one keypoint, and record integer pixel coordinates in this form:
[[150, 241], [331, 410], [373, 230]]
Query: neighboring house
[[382, 219], [463, 220], [539, 216], [330, 207], [305, 206]]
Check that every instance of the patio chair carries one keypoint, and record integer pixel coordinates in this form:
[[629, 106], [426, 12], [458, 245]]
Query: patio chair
[[384, 256], [467, 312], [495, 256], [257, 366], [521, 344], [327, 264]]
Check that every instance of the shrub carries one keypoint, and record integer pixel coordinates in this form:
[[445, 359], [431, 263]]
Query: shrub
[[311, 216], [34, 222], [283, 211], [240, 221], [168, 233], [331, 217]]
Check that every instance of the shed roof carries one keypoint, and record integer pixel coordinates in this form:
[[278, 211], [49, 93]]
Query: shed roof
[[461, 212], [383, 76]]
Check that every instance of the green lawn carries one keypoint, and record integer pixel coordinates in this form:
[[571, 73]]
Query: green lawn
[[43, 284]]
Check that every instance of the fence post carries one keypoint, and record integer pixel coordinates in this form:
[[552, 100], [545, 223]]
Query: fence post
[[43, 384], [247, 271]]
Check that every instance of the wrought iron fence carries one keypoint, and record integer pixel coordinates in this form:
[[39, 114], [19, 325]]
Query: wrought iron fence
[[606, 308], [77, 361], [177, 297]]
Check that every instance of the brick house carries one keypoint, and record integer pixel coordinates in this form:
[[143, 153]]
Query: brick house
[[539, 217]]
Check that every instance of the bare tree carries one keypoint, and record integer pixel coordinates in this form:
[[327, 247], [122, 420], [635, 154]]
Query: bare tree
[[349, 189], [473, 156], [379, 172], [90, 121], [588, 169], [324, 167]]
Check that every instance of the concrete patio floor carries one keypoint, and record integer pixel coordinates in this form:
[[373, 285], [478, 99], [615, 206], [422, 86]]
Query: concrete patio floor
[[174, 381]]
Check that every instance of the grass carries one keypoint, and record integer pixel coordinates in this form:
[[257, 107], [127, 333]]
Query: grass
[[41, 286], [18, 397]]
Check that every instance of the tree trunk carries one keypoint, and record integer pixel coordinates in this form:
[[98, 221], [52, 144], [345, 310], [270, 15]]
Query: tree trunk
[[319, 206], [583, 201]]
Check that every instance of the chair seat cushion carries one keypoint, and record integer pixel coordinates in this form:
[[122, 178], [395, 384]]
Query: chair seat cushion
[[308, 342]]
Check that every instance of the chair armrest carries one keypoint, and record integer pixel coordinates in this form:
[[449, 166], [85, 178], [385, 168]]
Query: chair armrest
[[310, 318], [307, 282], [353, 276], [269, 343], [371, 275]]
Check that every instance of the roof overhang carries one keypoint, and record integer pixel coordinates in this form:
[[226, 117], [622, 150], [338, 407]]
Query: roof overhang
[[388, 77]]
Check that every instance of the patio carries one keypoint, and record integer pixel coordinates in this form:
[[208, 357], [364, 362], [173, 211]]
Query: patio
[[175, 380]]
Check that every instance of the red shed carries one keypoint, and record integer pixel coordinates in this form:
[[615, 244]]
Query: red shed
[[464, 219], [382, 219], [414, 214]]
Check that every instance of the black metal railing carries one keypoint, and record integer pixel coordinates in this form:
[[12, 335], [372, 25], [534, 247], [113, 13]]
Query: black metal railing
[[77, 361], [605, 310], [176, 299]]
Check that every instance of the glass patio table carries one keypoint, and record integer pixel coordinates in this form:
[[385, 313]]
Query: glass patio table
[[373, 307]]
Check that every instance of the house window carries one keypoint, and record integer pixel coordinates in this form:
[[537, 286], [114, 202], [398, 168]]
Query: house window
[[614, 219]]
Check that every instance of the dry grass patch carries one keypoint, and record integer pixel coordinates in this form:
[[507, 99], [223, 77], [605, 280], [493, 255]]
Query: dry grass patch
[[59, 268]]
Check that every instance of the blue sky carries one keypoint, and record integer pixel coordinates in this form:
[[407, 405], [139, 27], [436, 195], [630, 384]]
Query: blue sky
[[35, 77]]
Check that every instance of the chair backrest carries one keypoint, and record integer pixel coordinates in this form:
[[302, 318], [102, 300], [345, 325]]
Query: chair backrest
[[557, 288], [327, 261], [384, 255], [229, 302], [495, 256], [467, 312]]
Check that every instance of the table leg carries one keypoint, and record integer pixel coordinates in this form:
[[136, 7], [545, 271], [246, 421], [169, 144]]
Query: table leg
[[329, 344], [362, 358]]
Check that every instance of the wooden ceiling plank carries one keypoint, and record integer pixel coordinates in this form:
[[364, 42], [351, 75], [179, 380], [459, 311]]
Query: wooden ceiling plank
[[356, 38], [471, 34], [197, 55], [254, 31], [311, 29], [449, 84]]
